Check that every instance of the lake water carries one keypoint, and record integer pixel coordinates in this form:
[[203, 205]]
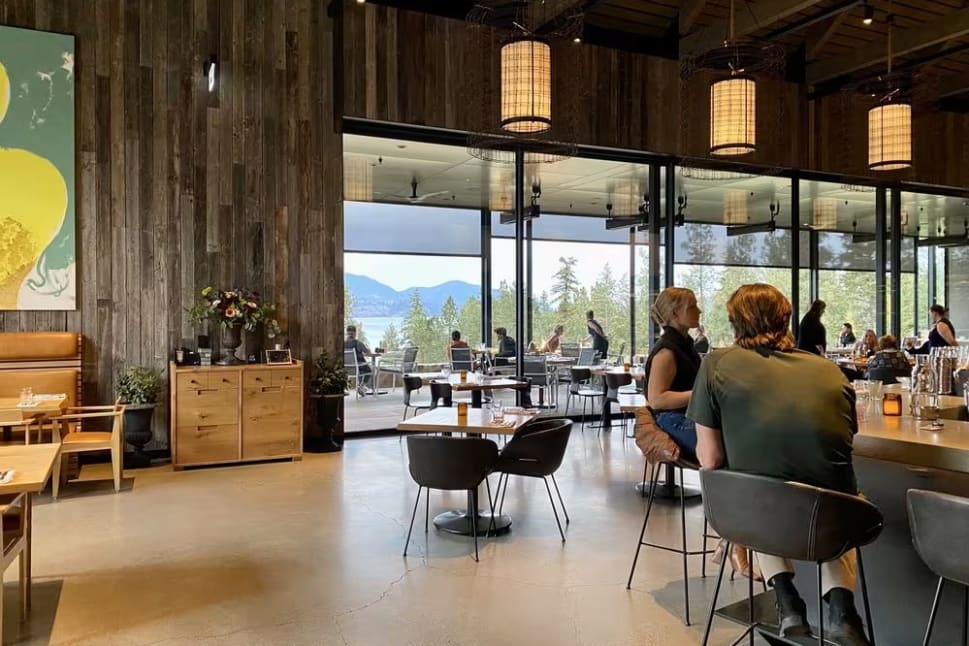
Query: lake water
[[375, 326]]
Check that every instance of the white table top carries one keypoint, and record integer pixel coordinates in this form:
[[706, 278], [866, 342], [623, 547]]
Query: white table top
[[445, 419]]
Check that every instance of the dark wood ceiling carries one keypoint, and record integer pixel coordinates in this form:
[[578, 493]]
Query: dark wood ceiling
[[829, 45]]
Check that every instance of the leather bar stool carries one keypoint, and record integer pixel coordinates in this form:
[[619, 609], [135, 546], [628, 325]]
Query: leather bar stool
[[790, 520], [940, 532], [683, 551]]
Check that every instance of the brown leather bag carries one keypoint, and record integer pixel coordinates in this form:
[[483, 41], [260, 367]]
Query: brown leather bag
[[655, 444]]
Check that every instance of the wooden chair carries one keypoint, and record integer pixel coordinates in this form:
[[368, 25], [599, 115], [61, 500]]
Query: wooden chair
[[74, 441], [13, 544]]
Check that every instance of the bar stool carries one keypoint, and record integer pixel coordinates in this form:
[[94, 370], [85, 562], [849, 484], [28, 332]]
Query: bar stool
[[806, 524], [682, 550], [940, 531]]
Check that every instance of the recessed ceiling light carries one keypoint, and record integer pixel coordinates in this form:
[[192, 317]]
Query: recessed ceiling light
[[402, 146], [869, 14], [577, 39]]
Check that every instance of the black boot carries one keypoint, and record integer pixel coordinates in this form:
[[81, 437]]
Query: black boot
[[791, 611], [844, 625]]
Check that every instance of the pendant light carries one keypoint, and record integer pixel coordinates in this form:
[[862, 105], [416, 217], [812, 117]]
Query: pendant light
[[733, 110], [825, 216], [890, 126], [526, 86]]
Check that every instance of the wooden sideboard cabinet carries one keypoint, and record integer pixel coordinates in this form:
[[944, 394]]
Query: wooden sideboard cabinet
[[236, 413]]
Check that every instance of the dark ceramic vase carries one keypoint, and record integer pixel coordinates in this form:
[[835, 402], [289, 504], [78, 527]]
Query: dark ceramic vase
[[231, 340]]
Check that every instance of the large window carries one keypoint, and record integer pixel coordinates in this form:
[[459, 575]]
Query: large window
[[401, 290]]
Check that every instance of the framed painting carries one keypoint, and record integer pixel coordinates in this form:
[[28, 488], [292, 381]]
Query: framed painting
[[37, 188]]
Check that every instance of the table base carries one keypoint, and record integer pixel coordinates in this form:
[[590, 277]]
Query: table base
[[458, 522], [666, 491]]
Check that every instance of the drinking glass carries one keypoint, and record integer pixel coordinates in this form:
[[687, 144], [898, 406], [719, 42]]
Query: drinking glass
[[875, 389], [905, 383], [861, 386], [497, 411], [861, 405], [446, 371], [25, 395]]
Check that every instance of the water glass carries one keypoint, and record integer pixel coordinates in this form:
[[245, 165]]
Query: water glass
[[861, 406], [26, 395], [497, 411], [861, 386], [875, 389]]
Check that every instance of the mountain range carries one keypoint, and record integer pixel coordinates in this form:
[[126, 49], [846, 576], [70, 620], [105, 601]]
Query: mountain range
[[373, 298]]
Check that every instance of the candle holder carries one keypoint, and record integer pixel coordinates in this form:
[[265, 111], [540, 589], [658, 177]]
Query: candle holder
[[892, 405]]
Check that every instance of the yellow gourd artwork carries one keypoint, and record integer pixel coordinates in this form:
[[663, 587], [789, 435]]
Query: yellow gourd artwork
[[34, 200]]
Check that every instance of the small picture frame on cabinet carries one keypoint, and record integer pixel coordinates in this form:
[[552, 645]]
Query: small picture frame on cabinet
[[278, 357]]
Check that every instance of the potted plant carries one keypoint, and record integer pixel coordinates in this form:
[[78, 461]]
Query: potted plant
[[328, 386], [138, 390], [233, 310]]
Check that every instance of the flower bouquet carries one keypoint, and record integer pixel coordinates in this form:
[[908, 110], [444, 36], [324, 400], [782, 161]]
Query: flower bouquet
[[235, 309]]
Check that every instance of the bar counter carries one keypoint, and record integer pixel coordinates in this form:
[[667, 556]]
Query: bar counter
[[892, 455]]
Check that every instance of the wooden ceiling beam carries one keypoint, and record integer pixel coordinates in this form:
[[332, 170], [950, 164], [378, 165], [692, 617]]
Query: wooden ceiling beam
[[690, 10], [939, 30], [748, 19], [818, 37], [951, 85]]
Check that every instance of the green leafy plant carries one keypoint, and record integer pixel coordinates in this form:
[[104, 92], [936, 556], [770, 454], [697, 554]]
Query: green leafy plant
[[235, 307], [139, 386], [329, 377]]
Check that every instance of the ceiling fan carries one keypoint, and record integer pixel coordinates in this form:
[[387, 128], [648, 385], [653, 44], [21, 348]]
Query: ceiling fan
[[414, 198]]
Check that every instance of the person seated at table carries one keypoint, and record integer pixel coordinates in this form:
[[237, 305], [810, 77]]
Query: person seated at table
[[700, 342], [889, 362], [867, 346], [672, 365], [506, 347], [361, 352], [847, 336], [456, 342], [749, 419], [553, 342]]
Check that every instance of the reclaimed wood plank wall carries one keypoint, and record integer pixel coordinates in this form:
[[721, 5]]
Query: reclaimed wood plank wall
[[179, 188]]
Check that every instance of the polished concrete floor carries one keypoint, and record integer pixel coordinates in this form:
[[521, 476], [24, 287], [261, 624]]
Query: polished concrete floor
[[310, 553]]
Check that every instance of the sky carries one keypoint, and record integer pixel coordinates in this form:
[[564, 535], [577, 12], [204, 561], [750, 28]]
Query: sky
[[405, 271]]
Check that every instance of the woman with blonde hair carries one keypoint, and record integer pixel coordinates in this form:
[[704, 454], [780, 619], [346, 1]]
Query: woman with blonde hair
[[672, 366], [762, 407]]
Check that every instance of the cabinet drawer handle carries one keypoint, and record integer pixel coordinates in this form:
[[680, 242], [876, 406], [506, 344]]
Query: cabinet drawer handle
[[207, 390], [267, 389], [209, 427]]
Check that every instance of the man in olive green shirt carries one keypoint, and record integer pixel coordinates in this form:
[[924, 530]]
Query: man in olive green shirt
[[763, 407]]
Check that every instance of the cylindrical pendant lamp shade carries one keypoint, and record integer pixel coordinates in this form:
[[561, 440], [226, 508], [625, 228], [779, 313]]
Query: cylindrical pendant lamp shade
[[825, 214], [735, 208], [357, 179], [890, 137], [733, 116], [526, 86]]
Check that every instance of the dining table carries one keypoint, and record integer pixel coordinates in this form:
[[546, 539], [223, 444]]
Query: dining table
[[15, 411], [638, 374], [31, 466], [477, 422], [892, 454], [477, 383]]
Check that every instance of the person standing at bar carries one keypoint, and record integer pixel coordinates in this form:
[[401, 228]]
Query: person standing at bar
[[600, 342], [942, 334], [811, 336]]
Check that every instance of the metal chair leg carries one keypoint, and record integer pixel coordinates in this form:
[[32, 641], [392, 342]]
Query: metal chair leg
[[552, 501], [750, 598], [935, 609], [654, 476], [686, 575], [474, 526], [491, 505], [965, 615], [703, 556], [427, 510], [501, 505], [864, 598], [412, 516], [820, 610], [561, 502], [716, 595]]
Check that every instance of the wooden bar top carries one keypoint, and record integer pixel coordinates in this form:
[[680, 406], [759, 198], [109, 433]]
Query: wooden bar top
[[908, 441]]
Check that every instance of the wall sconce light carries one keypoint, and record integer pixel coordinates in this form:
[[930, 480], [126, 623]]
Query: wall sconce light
[[209, 70]]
